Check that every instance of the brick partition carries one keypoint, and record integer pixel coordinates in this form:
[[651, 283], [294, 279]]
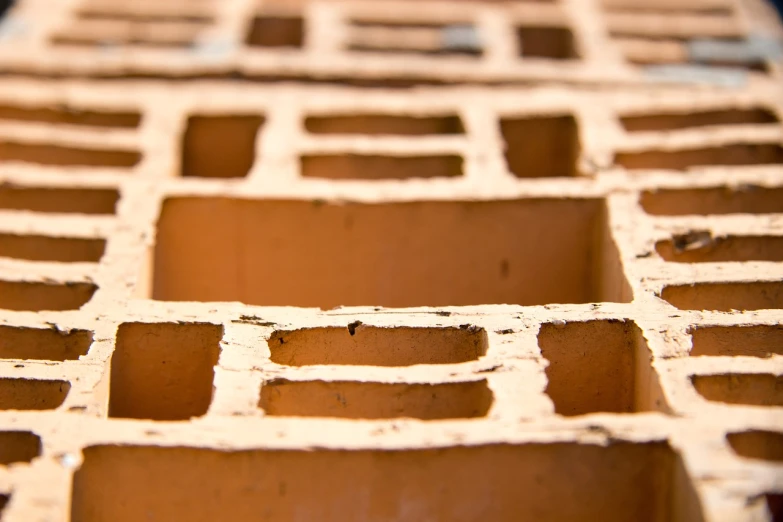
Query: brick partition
[[351, 261]]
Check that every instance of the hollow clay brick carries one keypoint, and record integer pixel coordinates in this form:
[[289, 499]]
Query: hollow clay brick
[[389, 260]]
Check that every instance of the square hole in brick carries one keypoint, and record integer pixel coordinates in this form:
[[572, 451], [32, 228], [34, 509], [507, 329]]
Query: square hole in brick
[[748, 199], [733, 341], [757, 444], [46, 248], [163, 371], [687, 120], [375, 400], [18, 446], [384, 124], [725, 297], [618, 482], [748, 389], [43, 344], [375, 346], [220, 146], [553, 43], [702, 247], [61, 201], [541, 146], [37, 297], [599, 366], [32, 394], [396, 254], [368, 167], [727, 155], [68, 115], [276, 31]]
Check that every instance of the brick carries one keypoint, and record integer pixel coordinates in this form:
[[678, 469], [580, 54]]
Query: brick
[[399, 260]]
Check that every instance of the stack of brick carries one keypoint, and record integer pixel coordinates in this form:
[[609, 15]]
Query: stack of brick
[[391, 260]]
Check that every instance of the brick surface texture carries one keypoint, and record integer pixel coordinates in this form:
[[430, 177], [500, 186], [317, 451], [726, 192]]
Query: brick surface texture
[[391, 260]]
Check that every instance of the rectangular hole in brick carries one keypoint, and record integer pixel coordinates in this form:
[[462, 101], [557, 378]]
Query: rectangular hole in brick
[[599, 366], [727, 155], [45, 248], [64, 114], [3, 502], [66, 156], [107, 34], [121, 13], [554, 43], [669, 7], [393, 23], [163, 41], [732, 341], [667, 24], [702, 247], [774, 503], [760, 67], [148, 10], [376, 346], [65, 201], [276, 32], [757, 444], [163, 371], [748, 389], [686, 120], [652, 8], [437, 50], [384, 124], [375, 400], [725, 297], [18, 446], [423, 38], [32, 394], [541, 146], [617, 482], [37, 297], [715, 200], [220, 146], [646, 50], [396, 254], [361, 166], [43, 344]]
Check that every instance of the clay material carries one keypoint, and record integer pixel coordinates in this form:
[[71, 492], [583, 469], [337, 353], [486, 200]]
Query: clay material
[[390, 260]]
